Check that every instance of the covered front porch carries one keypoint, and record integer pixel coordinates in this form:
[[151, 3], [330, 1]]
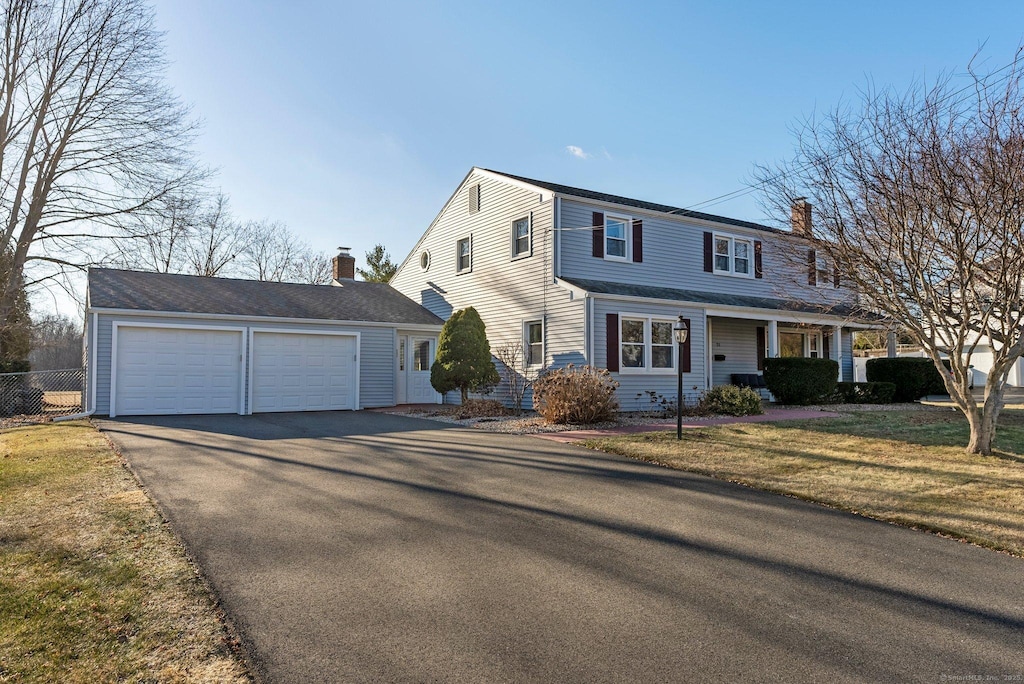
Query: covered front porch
[[739, 344]]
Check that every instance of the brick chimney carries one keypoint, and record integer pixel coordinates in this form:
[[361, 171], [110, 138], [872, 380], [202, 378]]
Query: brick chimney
[[344, 265], [801, 216]]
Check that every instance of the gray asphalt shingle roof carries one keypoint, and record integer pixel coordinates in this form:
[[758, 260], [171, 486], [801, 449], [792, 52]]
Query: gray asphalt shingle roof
[[699, 297], [354, 301], [639, 204]]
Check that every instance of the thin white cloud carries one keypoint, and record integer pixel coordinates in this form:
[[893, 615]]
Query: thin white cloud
[[577, 152]]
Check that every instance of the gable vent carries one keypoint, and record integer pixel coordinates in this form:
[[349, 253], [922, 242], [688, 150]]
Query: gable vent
[[474, 198]]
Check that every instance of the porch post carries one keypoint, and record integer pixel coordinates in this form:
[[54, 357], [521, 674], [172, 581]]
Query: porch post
[[773, 339], [837, 340]]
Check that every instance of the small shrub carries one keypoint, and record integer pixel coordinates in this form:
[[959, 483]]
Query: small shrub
[[729, 400], [480, 408], [914, 378], [863, 393], [800, 381], [576, 395]]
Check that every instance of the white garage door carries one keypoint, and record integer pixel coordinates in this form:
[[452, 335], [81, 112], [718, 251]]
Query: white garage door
[[303, 372], [177, 370]]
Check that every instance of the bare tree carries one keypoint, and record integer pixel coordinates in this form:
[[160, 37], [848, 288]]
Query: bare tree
[[919, 201], [159, 239], [217, 240], [514, 371], [313, 267], [272, 252], [56, 343], [89, 133]]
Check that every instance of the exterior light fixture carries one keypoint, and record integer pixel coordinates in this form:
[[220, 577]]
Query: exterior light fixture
[[681, 332]]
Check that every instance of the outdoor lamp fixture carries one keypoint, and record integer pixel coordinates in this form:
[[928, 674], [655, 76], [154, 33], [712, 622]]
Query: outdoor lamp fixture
[[681, 332]]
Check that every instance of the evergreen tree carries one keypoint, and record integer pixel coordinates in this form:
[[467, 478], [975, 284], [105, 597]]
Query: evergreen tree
[[463, 356], [381, 268]]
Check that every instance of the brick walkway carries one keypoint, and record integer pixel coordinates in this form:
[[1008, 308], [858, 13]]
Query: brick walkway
[[769, 416]]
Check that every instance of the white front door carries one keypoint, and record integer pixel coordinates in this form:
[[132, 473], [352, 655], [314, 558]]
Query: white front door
[[416, 356]]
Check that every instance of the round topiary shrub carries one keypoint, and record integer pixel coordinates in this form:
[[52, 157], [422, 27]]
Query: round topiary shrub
[[576, 395], [801, 381], [914, 378], [729, 400]]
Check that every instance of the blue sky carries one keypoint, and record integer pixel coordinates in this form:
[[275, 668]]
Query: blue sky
[[353, 122]]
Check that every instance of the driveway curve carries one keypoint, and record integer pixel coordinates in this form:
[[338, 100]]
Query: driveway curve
[[362, 546]]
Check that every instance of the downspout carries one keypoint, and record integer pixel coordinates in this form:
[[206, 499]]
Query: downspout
[[557, 242], [90, 373]]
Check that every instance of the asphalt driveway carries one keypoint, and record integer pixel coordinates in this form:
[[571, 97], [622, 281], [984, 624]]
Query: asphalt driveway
[[369, 547]]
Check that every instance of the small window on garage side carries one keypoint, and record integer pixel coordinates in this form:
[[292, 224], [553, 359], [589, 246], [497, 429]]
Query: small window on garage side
[[421, 356], [534, 338], [521, 237], [464, 251]]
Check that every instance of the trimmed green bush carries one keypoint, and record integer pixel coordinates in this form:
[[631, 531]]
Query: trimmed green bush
[[863, 393], [729, 400], [463, 359], [576, 395], [801, 381], [914, 378]]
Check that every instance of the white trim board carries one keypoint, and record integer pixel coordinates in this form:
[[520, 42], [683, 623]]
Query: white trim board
[[269, 320]]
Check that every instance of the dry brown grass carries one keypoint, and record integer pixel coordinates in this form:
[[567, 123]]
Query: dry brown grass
[[93, 587], [904, 467]]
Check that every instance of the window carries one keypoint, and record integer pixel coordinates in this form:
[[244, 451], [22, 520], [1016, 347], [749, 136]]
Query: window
[[734, 256], [647, 345], [464, 251], [401, 354], [424, 260], [797, 343], [521, 237], [534, 347], [421, 356], [615, 233]]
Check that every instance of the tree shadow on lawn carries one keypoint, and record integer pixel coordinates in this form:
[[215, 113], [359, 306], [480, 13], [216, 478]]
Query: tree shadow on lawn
[[923, 428]]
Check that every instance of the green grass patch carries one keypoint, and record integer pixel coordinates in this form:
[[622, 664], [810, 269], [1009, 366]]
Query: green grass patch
[[93, 587], [906, 467]]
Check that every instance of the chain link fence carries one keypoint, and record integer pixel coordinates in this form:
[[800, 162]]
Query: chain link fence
[[40, 395]]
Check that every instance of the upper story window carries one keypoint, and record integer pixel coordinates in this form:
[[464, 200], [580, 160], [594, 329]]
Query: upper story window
[[521, 237], [646, 344], [464, 252], [533, 334], [616, 232], [734, 256]]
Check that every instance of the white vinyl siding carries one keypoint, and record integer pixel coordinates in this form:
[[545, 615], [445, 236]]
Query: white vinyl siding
[[504, 295]]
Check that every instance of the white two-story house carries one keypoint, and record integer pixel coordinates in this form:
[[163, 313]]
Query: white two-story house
[[595, 279]]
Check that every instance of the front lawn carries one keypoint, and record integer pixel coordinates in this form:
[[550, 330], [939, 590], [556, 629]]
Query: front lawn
[[93, 587], [907, 467]]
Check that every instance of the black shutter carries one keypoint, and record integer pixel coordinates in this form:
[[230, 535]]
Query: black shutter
[[812, 267], [612, 337], [598, 232], [685, 351], [835, 276], [709, 254], [761, 336], [758, 271], [638, 241], [826, 346]]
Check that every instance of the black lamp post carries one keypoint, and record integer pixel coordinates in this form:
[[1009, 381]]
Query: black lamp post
[[681, 333]]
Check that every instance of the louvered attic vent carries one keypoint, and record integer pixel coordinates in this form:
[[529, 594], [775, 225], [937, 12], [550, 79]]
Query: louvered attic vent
[[474, 198]]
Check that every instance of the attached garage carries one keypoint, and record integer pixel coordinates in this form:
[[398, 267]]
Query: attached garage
[[165, 344]]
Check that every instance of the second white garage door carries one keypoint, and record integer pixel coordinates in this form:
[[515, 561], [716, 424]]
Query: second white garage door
[[303, 372]]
